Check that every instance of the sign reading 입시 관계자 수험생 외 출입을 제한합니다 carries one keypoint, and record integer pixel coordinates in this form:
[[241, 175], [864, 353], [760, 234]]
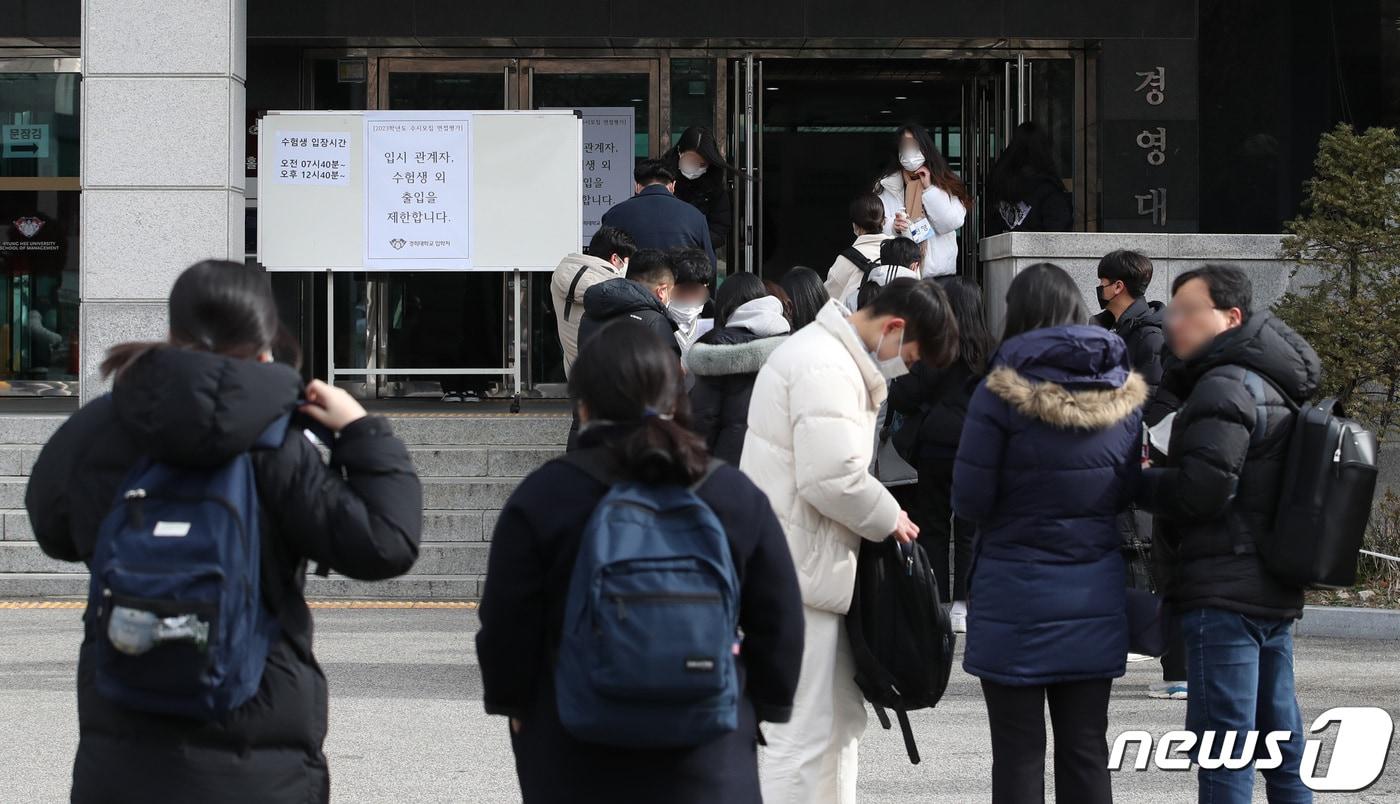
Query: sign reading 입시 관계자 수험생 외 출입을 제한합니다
[[417, 185]]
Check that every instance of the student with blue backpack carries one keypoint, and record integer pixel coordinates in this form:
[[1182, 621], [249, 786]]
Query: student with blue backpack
[[197, 502], [641, 613]]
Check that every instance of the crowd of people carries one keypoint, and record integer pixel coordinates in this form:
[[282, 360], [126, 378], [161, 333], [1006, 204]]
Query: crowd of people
[[1043, 447]]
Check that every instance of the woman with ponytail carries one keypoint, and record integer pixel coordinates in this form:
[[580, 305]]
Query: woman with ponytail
[[634, 413]]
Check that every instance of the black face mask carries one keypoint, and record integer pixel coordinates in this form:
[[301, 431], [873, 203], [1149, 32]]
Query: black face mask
[[1103, 303]]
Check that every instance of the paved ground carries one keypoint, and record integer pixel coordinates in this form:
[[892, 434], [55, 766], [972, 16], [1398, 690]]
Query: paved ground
[[407, 723]]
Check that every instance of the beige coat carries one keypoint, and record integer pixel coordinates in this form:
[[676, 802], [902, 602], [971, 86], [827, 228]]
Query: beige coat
[[595, 270], [809, 445]]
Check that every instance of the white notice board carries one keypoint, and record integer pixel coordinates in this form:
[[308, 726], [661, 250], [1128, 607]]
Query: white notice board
[[608, 145], [506, 190]]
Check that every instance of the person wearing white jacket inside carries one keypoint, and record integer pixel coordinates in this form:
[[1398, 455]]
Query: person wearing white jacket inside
[[809, 446], [924, 200]]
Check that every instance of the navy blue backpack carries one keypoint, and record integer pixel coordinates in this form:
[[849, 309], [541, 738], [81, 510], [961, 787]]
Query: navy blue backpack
[[647, 656], [177, 588]]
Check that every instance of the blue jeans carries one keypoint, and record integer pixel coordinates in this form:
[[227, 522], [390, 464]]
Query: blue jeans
[[1240, 675]]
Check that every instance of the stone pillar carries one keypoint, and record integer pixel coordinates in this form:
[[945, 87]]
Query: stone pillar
[[162, 159]]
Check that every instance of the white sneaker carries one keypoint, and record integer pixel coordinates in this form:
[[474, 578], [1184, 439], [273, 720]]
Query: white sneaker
[[1139, 657], [958, 614], [1170, 690]]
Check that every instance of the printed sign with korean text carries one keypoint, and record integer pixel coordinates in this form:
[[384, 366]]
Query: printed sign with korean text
[[418, 198], [312, 157]]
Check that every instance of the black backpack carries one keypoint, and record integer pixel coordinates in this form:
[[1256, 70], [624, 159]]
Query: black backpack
[[1324, 498], [901, 637]]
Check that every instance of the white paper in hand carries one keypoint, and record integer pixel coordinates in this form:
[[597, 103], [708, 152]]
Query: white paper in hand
[[1160, 434]]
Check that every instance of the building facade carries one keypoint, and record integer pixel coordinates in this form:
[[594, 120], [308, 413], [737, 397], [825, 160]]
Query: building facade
[[130, 131]]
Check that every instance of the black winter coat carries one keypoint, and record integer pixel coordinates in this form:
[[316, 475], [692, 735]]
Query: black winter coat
[[1032, 202], [533, 550], [1219, 485], [657, 219], [1141, 328], [625, 298], [943, 394], [711, 197], [198, 409], [724, 363]]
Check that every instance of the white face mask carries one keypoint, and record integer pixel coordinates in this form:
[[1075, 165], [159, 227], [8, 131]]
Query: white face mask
[[693, 172], [685, 315], [911, 160], [891, 368]]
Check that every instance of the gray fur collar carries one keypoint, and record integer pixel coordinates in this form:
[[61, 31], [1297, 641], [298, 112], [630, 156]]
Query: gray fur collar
[[1060, 407], [716, 360]]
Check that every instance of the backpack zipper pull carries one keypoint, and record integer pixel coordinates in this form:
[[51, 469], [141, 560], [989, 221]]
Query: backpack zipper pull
[[133, 508]]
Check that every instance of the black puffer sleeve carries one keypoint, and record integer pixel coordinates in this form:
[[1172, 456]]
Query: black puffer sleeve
[[362, 515]]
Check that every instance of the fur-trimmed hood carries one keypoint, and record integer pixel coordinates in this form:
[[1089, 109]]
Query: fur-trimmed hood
[[1058, 406], [721, 359]]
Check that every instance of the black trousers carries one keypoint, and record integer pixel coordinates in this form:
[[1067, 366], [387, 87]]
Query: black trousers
[[1079, 715], [930, 504]]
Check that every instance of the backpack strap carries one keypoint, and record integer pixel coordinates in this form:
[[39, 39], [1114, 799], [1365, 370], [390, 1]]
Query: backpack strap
[[275, 434], [859, 261], [573, 286], [908, 730], [597, 464]]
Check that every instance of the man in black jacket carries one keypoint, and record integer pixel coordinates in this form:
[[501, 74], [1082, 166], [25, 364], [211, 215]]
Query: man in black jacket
[[1215, 494], [1123, 280], [642, 296]]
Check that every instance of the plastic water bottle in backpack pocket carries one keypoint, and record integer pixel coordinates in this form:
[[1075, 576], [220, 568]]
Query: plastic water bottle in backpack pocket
[[648, 654], [181, 625]]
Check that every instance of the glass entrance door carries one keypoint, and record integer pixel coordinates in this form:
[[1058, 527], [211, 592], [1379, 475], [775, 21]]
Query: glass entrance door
[[443, 320]]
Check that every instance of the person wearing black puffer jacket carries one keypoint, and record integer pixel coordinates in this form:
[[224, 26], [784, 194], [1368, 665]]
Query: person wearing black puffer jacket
[[642, 296], [750, 324], [1123, 280], [1216, 492], [198, 401], [934, 403]]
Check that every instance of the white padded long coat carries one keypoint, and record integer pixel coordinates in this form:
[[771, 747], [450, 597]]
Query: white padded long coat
[[809, 446]]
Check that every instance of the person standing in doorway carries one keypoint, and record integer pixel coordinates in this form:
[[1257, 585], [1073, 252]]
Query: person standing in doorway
[[702, 181], [1024, 188], [924, 199], [809, 445], [655, 218], [606, 258], [1050, 453], [934, 404], [1216, 493]]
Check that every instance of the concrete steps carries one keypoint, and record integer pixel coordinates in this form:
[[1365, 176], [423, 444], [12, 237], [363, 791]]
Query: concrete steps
[[469, 465]]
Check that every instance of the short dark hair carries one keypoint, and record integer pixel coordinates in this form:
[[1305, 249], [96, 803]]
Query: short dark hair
[[653, 171], [651, 267], [692, 266], [1132, 268], [610, 240], [868, 212], [1228, 286], [900, 251], [927, 317], [1041, 296]]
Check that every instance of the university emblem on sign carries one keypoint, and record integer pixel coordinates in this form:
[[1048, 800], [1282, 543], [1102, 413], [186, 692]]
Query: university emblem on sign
[[29, 225], [398, 243]]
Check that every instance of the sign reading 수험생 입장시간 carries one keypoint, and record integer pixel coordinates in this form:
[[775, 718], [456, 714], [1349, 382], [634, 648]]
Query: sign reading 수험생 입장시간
[[313, 157]]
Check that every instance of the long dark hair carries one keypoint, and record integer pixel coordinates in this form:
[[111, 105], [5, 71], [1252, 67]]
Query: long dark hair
[[1030, 154], [939, 170], [1041, 296], [975, 341], [629, 379], [807, 292], [215, 306], [736, 290]]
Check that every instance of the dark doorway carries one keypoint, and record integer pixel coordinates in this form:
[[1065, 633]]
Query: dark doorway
[[828, 133]]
